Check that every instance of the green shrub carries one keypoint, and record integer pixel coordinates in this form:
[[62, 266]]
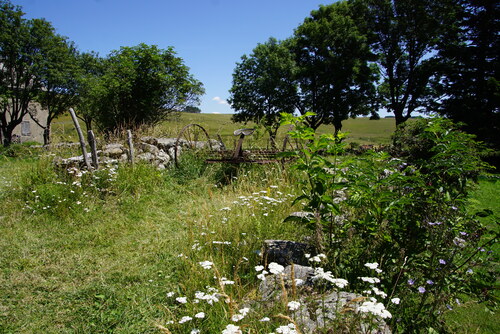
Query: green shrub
[[406, 212]]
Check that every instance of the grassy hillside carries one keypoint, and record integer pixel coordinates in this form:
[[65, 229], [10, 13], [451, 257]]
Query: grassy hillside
[[361, 130]]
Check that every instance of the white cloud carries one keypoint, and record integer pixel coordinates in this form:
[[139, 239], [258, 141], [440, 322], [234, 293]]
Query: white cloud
[[219, 100]]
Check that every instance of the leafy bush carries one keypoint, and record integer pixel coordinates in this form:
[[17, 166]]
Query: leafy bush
[[406, 212]]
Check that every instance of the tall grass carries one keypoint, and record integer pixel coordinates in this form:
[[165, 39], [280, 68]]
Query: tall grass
[[98, 253]]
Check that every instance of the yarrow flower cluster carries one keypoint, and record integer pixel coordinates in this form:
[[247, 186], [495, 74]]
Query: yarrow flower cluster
[[374, 308], [317, 258], [276, 268], [289, 329], [293, 305], [242, 314], [373, 266], [206, 264], [232, 329], [319, 273]]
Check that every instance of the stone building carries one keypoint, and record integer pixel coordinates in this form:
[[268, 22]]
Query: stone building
[[29, 130]]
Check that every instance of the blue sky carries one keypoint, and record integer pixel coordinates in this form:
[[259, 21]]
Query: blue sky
[[210, 35]]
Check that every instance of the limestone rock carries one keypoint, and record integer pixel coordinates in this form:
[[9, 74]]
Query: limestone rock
[[113, 150], [145, 147], [146, 156]]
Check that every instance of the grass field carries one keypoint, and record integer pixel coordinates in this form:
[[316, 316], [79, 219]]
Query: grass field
[[360, 130], [104, 260]]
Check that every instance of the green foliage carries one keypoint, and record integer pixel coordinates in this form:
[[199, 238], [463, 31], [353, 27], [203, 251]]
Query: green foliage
[[23, 44], [406, 213], [20, 150], [142, 85], [263, 86], [333, 58], [468, 73], [403, 35]]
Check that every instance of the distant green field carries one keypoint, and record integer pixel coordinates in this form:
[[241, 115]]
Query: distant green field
[[360, 130]]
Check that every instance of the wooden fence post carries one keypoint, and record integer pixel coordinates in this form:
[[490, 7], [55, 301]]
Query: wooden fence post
[[131, 147], [95, 161], [82, 140]]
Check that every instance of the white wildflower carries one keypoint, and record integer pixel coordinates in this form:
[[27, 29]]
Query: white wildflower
[[293, 305], [225, 281], [375, 308], [371, 280], [200, 315], [206, 264], [290, 329], [379, 292], [232, 329], [185, 319], [275, 268], [319, 273], [395, 301], [373, 265], [182, 300], [237, 317]]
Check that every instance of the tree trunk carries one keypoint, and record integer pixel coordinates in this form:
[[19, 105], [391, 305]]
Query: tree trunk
[[7, 136], [337, 124], [46, 135]]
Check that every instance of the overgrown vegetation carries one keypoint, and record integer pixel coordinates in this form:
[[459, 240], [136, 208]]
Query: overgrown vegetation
[[133, 249]]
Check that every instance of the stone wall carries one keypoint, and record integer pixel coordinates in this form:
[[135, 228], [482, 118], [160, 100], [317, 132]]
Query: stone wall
[[158, 151]]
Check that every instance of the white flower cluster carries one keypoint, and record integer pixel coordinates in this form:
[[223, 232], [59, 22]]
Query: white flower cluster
[[206, 264], [289, 329], [232, 329], [318, 258], [242, 314], [373, 266], [293, 305], [319, 273], [377, 309]]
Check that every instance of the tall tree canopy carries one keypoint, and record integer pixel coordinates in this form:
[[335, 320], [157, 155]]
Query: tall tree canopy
[[403, 34], [469, 86], [22, 43], [334, 73], [141, 85], [263, 86], [58, 74], [91, 69]]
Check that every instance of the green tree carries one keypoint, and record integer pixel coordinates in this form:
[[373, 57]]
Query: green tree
[[142, 85], [263, 86], [469, 81], [192, 110], [334, 71], [21, 45], [58, 74], [89, 88], [403, 34]]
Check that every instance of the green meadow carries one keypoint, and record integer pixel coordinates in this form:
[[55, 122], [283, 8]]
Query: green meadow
[[110, 252], [361, 130]]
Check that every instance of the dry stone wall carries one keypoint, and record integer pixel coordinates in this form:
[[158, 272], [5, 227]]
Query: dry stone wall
[[158, 151]]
